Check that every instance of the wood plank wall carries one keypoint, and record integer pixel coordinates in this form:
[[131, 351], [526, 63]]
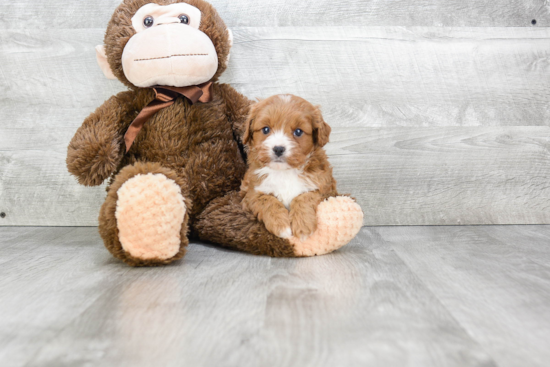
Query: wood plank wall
[[440, 108]]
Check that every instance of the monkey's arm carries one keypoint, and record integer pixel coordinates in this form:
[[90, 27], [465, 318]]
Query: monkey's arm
[[97, 148], [236, 108]]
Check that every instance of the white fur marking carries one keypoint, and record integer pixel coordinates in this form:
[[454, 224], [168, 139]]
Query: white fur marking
[[287, 233], [287, 98], [279, 139], [285, 185]]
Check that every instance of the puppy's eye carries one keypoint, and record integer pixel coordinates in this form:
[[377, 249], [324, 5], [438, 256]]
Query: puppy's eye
[[266, 130], [298, 133], [148, 21], [184, 19]]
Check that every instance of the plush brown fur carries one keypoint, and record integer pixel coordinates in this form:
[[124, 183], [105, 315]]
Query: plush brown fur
[[198, 146], [287, 114], [225, 222]]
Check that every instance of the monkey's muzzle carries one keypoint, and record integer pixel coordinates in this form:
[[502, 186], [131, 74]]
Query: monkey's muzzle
[[172, 54]]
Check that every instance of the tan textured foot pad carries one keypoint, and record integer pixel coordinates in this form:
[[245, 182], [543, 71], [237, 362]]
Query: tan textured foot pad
[[150, 212], [339, 220]]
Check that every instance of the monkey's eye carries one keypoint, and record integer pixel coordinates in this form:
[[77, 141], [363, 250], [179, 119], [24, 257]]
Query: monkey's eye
[[266, 130], [184, 19], [298, 133], [148, 21]]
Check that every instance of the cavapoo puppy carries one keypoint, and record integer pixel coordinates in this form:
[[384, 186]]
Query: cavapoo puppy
[[289, 173]]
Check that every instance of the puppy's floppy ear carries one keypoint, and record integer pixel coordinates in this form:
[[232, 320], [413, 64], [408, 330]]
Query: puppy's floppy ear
[[321, 130], [248, 132]]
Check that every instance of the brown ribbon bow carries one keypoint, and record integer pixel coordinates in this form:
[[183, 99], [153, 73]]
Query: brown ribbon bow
[[165, 97]]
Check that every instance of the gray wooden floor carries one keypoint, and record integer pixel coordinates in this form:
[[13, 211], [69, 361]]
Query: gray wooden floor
[[396, 296]]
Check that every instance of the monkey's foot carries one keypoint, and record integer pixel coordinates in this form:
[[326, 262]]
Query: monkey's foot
[[150, 212], [339, 220]]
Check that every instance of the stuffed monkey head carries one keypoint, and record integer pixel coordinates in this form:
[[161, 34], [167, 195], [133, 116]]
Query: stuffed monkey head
[[175, 43]]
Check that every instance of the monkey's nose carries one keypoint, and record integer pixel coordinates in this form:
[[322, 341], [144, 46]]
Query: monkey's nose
[[279, 151]]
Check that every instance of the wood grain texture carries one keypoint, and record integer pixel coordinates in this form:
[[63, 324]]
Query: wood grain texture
[[359, 306], [400, 176], [534, 241], [18, 241], [257, 13], [366, 76], [445, 176], [424, 118], [39, 306], [51, 84], [395, 76], [494, 280]]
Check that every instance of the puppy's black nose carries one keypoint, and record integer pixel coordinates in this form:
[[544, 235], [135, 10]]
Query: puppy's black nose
[[279, 151]]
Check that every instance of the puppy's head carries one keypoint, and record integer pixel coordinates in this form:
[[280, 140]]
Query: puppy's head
[[282, 131]]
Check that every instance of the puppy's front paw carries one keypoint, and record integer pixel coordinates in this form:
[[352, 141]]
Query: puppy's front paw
[[286, 233], [279, 225], [303, 225]]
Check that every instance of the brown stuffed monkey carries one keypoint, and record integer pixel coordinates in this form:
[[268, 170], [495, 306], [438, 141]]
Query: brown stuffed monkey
[[171, 145]]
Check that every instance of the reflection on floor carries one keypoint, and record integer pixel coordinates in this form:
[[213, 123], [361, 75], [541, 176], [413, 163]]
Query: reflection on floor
[[396, 296]]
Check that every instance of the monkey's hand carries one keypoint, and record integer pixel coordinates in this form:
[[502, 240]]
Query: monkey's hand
[[97, 148]]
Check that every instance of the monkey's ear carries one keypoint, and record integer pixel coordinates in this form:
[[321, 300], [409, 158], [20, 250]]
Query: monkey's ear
[[230, 32], [230, 36], [103, 63]]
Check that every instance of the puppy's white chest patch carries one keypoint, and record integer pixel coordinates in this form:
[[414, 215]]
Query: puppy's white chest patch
[[285, 185]]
